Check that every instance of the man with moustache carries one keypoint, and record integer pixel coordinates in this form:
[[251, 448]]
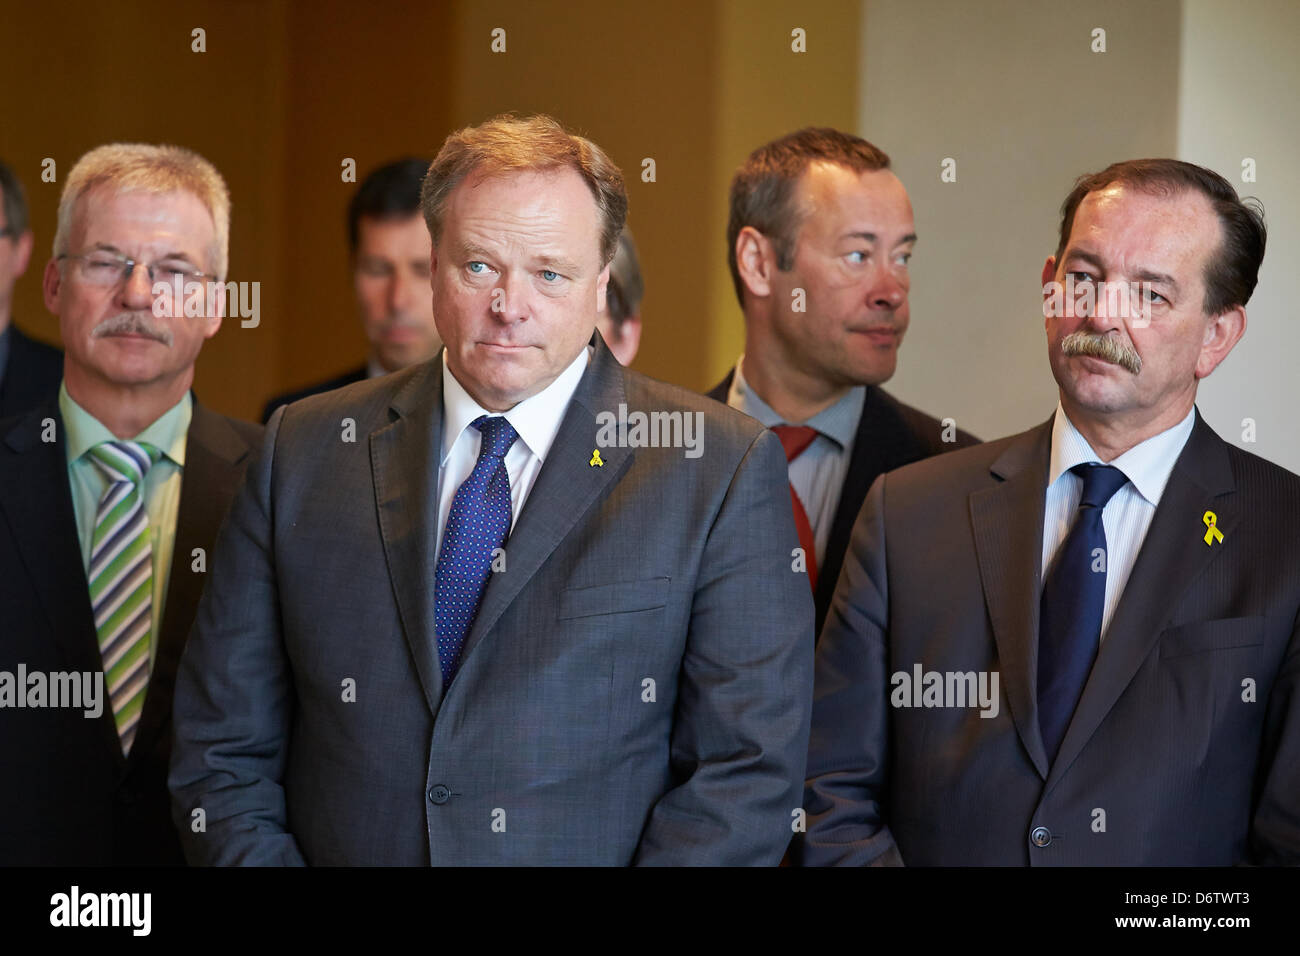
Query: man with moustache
[[111, 495], [818, 241], [481, 634], [1132, 580], [389, 248]]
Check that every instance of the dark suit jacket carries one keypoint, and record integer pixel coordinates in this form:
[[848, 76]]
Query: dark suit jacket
[[642, 570], [1185, 747], [69, 797], [347, 378], [890, 435], [31, 375]]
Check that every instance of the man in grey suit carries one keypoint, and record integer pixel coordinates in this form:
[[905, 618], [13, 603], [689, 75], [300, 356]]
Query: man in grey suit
[[1079, 645], [480, 611]]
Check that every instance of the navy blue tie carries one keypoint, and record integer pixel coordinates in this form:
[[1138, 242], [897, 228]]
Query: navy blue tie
[[478, 523], [1074, 601]]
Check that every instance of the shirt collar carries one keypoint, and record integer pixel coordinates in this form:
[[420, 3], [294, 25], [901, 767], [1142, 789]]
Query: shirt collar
[[167, 432], [1147, 464], [838, 422], [536, 419]]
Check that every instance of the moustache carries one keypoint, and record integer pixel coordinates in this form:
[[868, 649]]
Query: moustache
[[133, 323], [1105, 347]]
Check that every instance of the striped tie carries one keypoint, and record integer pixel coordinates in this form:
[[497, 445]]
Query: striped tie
[[121, 579]]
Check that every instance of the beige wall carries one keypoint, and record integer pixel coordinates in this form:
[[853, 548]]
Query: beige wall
[[1237, 100], [1011, 91]]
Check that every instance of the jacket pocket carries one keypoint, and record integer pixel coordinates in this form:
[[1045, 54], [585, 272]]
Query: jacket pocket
[[619, 598], [1218, 635]]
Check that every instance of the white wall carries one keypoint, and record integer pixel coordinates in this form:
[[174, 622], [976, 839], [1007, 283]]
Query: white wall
[[1238, 96], [1013, 92]]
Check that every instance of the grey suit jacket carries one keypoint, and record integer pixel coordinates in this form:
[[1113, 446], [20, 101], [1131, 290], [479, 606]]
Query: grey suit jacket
[[1185, 746], [635, 688]]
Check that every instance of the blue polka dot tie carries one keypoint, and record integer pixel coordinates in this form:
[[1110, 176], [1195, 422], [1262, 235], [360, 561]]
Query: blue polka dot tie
[[477, 524]]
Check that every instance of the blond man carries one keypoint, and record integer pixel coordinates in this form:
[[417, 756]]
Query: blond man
[[111, 497], [494, 628]]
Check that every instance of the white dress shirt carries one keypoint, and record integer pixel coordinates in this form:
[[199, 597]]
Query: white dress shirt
[[817, 475], [1127, 515], [537, 421]]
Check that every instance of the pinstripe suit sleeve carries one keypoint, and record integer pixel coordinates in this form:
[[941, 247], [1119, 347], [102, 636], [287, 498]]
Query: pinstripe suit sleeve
[[848, 754], [234, 693]]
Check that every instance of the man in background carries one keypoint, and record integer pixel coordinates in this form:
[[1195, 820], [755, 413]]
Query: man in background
[[389, 246], [620, 322], [111, 494], [29, 370], [818, 241]]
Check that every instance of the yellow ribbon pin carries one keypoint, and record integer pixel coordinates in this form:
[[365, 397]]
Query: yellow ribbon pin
[[1214, 533], [597, 463]]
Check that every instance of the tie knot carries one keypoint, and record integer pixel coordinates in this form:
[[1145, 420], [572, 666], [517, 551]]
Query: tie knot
[[498, 435], [795, 439], [126, 461], [1100, 482]]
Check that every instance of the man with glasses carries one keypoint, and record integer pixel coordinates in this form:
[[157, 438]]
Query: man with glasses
[[111, 494], [29, 370]]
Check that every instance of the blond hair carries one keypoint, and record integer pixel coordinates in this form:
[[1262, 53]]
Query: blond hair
[[507, 144], [130, 167]]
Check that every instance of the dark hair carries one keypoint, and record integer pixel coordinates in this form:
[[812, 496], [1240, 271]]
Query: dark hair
[[1231, 273], [626, 287], [762, 191], [390, 192], [15, 201]]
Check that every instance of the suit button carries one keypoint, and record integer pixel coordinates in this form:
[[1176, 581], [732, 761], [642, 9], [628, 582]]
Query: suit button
[[1041, 836], [439, 794]]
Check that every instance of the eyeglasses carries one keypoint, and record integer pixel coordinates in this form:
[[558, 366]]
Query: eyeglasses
[[107, 269]]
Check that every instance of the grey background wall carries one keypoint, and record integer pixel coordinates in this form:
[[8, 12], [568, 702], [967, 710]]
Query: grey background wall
[[1014, 93], [1239, 98]]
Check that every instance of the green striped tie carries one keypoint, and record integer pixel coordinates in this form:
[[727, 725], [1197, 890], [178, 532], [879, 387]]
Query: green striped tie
[[121, 579]]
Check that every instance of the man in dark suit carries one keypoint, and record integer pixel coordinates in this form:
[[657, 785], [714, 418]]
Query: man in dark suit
[[389, 248], [111, 494], [1079, 645], [29, 370], [818, 242], [475, 612]]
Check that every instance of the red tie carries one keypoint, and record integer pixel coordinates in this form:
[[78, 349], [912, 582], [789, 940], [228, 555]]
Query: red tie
[[794, 439]]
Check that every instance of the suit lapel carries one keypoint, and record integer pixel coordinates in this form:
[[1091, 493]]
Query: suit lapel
[[1173, 555], [566, 487], [1008, 527], [214, 457], [404, 461], [37, 501]]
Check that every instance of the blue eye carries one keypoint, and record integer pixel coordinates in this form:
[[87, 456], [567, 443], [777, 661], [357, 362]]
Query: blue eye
[[1153, 296], [861, 256], [550, 276], [903, 258], [477, 271]]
